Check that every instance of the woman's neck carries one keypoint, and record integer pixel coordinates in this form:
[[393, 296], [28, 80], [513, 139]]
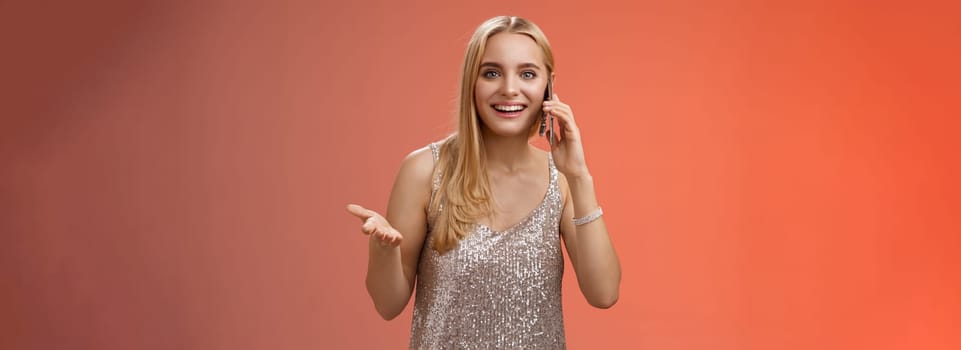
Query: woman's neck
[[507, 154]]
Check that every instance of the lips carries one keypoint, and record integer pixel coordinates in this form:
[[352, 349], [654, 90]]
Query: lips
[[509, 110]]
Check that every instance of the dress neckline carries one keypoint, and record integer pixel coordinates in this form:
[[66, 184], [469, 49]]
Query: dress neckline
[[552, 178]]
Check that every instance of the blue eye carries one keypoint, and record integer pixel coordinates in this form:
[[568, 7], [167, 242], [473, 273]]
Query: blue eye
[[490, 74], [528, 75]]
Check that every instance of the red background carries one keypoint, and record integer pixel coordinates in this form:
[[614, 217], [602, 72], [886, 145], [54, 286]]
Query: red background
[[775, 175]]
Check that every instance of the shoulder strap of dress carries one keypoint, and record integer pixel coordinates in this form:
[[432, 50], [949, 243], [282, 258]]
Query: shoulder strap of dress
[[435, 151], [554, 188], [435, 185], [553, 169]]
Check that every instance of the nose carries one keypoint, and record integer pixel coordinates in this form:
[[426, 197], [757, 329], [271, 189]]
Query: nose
[[511, 86]]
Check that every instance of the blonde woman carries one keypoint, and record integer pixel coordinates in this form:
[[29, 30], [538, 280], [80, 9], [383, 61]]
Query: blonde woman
[[476, 219]]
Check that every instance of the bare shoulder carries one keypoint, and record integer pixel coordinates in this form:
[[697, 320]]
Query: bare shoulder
[[415, 177], [411, 193], [418, 165]]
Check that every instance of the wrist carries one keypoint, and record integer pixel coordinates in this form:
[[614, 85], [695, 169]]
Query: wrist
[[580, 180], [580, 176], [594, 215], [381, 248]]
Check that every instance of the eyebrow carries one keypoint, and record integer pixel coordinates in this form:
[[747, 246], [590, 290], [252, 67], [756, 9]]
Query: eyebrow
[[522, 65]]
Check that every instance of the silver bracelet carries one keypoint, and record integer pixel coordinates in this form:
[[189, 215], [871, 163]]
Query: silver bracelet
[[590, 217]]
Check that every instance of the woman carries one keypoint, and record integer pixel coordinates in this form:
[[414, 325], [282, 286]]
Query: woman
[[460, 220]]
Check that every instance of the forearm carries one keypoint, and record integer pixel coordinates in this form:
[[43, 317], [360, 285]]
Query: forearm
[[598, 270], [386, 283]]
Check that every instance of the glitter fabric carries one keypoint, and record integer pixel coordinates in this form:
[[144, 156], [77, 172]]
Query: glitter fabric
[[495, 289]]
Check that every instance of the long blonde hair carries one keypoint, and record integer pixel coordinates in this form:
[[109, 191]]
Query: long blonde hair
[[465, 190]]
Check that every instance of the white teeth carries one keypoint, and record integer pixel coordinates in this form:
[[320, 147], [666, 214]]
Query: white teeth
[[509, 108]]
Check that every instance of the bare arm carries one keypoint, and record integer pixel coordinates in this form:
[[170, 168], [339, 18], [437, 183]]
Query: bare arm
[[395, 241], [589, 246]]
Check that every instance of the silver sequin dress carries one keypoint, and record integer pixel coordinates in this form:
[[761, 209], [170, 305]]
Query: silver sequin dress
[[494, 290]]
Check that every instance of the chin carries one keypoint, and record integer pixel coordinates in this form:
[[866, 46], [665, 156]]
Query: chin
[[509, 130], [502, 132], [504, 127]]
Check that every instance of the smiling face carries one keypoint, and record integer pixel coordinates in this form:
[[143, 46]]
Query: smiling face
[[510, 86]]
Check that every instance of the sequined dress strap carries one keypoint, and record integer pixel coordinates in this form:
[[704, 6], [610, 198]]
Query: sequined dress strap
[[435, 151], [435, 185]]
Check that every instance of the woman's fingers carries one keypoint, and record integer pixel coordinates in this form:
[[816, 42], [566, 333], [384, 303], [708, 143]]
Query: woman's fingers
[[370, 218], [375, 225], [369, 226], [565, 119], [397, 237], [359, 211], [559, 109], [390, 236], [387, 236]]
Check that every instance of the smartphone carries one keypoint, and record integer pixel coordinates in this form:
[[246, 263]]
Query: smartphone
[[549, 119]]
